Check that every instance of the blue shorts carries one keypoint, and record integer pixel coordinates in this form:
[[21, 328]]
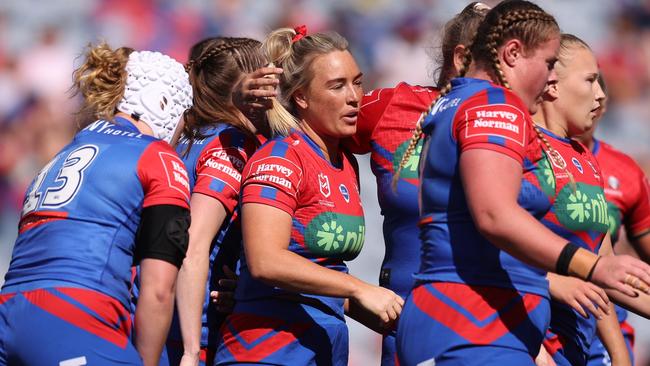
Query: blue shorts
[[281, 332], [64, 326], [598, 355], [457, 324], [564, 351], [389, 349]]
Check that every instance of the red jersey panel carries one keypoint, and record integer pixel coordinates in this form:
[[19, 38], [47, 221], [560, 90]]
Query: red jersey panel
[[626, 189], [385, 125], [292, 175]]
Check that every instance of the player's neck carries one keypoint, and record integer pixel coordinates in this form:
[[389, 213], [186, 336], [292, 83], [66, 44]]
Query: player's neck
[[328, 145], [546, 118], [141, 126]]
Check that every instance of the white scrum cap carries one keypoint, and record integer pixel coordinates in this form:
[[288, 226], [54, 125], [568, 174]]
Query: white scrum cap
[[157, 92]]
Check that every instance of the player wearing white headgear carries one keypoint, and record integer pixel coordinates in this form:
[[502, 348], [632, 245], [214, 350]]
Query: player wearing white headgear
[[157, 92], [117, 194]]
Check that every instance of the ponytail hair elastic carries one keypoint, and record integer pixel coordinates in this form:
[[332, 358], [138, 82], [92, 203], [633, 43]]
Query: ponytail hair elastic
[[301, 32]]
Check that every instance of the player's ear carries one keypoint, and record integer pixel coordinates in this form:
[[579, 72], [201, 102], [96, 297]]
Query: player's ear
[[300, 99]]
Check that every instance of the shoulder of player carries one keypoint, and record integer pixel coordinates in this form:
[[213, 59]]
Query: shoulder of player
[[281, 146], [609, 152], [493, 97], [107, 129], [402, 90]]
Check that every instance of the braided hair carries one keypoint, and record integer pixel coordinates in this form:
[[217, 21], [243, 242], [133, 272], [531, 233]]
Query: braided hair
[[215, 65], [510, 19], [460, 30]]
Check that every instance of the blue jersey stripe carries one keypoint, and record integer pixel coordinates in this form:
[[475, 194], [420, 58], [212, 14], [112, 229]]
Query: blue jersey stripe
[[217, 185], [280, 149], [496, 96], [497, 140], [269, 192]]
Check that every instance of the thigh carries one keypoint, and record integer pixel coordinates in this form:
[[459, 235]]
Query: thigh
[[447, 323], [46, 327]]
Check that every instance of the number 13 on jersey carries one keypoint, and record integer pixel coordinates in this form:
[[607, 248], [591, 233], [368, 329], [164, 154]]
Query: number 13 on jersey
[[61, 190]]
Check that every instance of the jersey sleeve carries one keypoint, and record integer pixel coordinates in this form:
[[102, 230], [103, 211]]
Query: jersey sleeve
[[273, 176], [502, 126], [637, 222], [163, 176], [219, 171], [372, 109]]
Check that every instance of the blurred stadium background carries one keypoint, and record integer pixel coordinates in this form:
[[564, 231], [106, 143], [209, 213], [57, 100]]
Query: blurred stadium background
[[393, 41]]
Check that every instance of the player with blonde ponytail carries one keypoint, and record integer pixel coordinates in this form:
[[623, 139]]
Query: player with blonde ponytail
[[302, 218], [482, 296]]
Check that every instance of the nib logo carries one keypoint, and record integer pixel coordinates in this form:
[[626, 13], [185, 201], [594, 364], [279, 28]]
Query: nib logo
[[582, 210], [410, 169], [579, 207], [335, 235], [330, 237]]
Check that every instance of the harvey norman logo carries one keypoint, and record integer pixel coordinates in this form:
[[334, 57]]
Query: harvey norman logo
[[497, 120]]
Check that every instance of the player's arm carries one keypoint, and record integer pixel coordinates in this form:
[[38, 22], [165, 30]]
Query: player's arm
[[609, 332], [161, 243], [507, 225], [637, 222], [491, 171], [207, 215], [638, 302], [266, 233]]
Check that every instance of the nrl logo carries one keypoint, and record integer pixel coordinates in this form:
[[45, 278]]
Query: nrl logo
[[324, 185]]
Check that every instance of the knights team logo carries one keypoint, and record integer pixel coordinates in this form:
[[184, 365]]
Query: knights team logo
[[557, 159], [344, 192], [324, 185], [577, 164]]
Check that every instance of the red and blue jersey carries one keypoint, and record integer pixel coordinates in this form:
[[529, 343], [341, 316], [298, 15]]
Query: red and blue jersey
[[626, 191], [572, 179], [293, 175], [214, 165], [385, 126], [627, 194], [475, 114], [81, 213]]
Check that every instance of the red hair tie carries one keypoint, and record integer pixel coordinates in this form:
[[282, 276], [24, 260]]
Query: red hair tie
[[301, 31]]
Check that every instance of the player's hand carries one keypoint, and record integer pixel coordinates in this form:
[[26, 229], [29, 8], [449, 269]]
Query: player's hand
[[544, 358], [382, 302], [224, 299], [189, 359], [623, 273], [580, 295], [252, 95]]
